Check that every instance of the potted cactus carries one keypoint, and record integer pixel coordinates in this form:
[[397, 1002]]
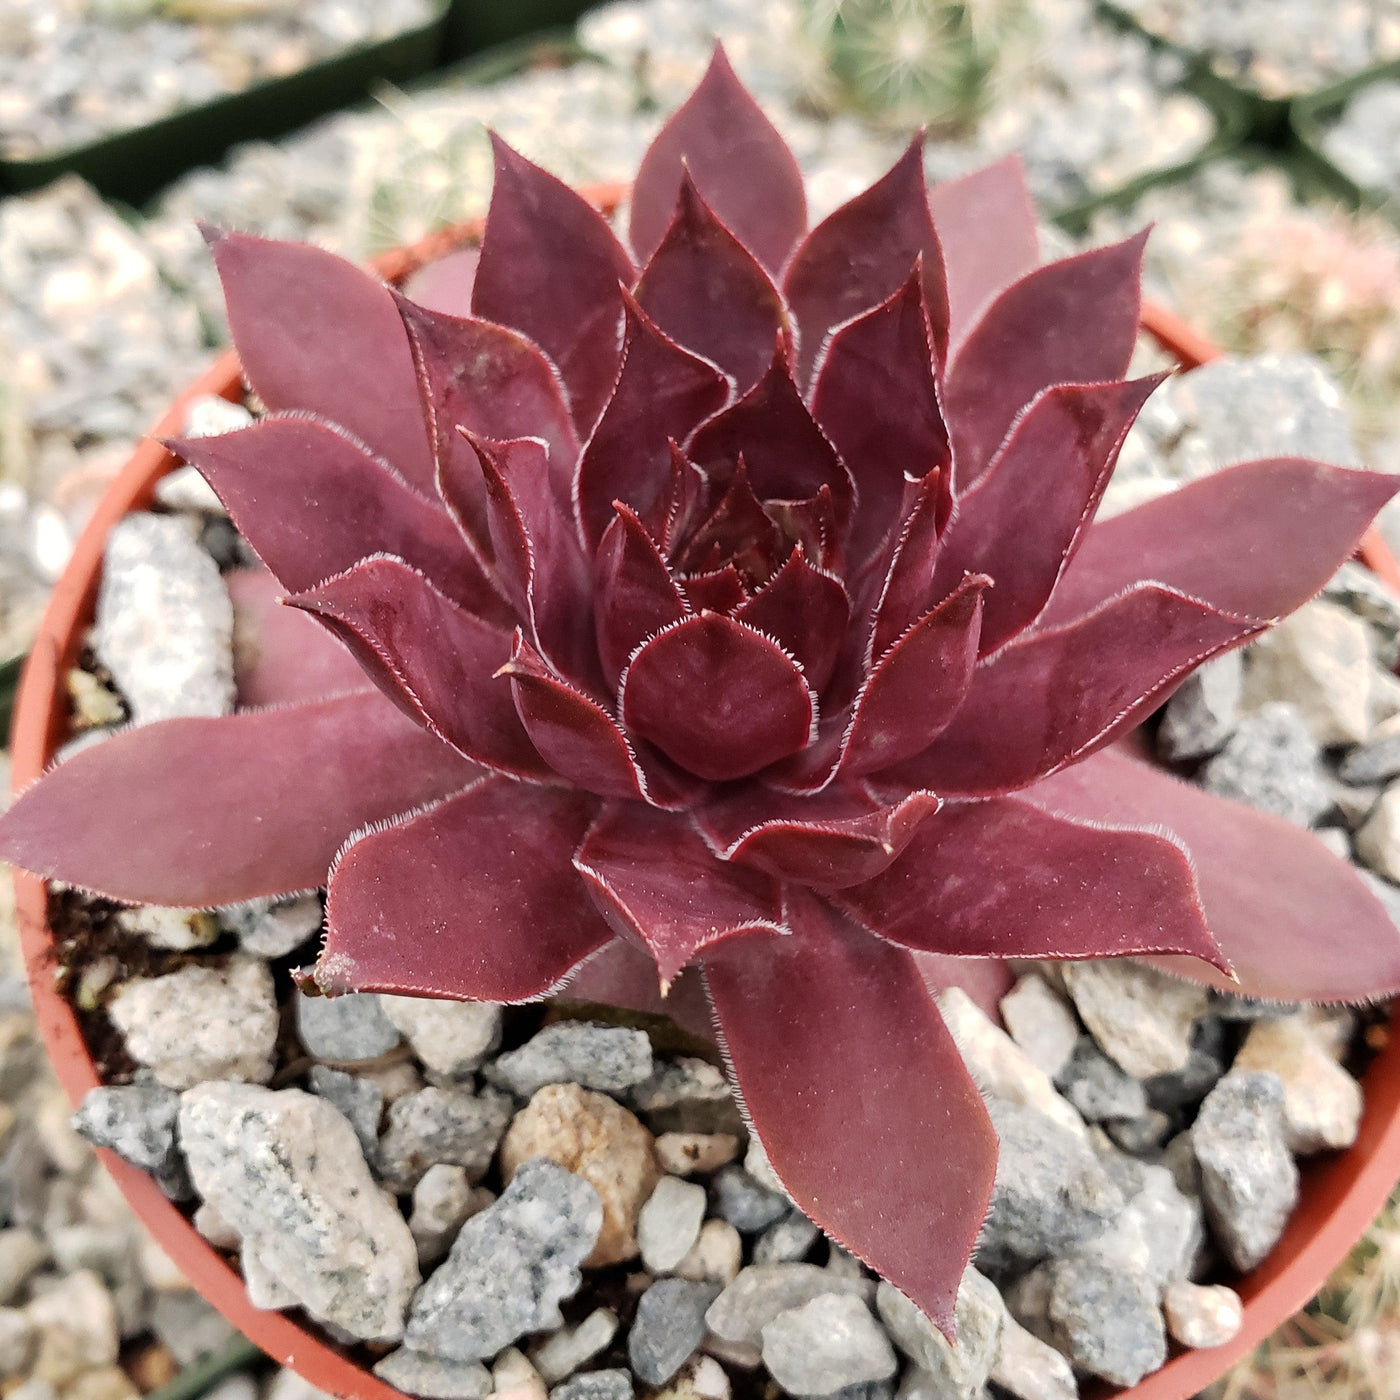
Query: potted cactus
[[720, 620]]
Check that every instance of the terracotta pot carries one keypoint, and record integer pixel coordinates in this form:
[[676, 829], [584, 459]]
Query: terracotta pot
[[1340, 1194]]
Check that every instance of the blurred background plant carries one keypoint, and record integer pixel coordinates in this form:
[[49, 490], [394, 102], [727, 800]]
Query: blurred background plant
[[907, 63]]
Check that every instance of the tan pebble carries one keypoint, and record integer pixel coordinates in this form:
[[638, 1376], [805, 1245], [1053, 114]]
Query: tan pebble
[[1202, 1315], [107, 1383], [683, 1154], [716, 1257], [1321, 1101], [159, 1270], [513, 1377], [152, 1367], [701, 1379], [215, 1228], [397, 1080], [599, 1140]]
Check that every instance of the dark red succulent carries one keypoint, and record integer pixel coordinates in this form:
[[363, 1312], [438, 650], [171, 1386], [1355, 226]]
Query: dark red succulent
[[744, 613]]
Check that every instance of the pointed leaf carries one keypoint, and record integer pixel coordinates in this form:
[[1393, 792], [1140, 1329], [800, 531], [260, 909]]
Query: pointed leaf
[[1258, 539], [496, 384], [986, 224], [910, 697], [280, 656], [432, 658], [622, 974], [707, 292], [311, 502], [1070, 322], [316, 334], [676, 905], [679, 510], [1052, 697], [842, 836], [634, 593], [739, 536], [722, 591], [813, 524], [541, 565], [882, 358], [291, 785], [787, 454], [473, 899], [550, 268], [834, 1040], [1023, 520], [1296, 921], [918, 685], [720, 136], [1003, 879], [908, 591], [445, 284], [717, 698], [581, 741], [805, 611], [861, 255], [662, 393]]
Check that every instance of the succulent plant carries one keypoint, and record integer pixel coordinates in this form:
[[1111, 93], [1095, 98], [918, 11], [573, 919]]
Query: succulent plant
[[736, 627]]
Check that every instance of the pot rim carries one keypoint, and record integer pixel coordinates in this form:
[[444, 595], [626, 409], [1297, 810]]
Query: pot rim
[[1341, 1194]]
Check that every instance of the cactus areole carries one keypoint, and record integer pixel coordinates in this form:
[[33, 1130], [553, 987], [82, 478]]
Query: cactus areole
[[728, 604]]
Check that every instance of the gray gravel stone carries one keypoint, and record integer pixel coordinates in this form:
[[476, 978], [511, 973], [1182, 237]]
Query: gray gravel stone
[[669, 1223], [1375, 761], [164, 625], [1106, 1319], [959, 1370], [360, 1100], [1203, 713], [678, 1083], [201, 1023], [416, 1374], [1098, 1088], [137, 1121], [449, 1037], [510, 1267], [347, 1029], [270, 928], [826, 1344], [1141, 1018], [1158, 1233], [1248, 1176], [1274, 764], [1319, 661], [746, 1204], [443, 1201], [1051, 1191], [1030, 1368], [787, 1242], [571, 1347], [441, 1125], [762, 1291], [1041, 1022], [1184, 1089], [668, 1326], [285, 1170], [613, 1384], [608, 1059], [187, 1326]]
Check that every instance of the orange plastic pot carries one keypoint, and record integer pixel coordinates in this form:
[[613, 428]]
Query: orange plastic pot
[[1340, 1195]]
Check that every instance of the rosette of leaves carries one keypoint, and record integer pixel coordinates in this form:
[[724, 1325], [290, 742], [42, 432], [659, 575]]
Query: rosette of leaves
[[722, 615]]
